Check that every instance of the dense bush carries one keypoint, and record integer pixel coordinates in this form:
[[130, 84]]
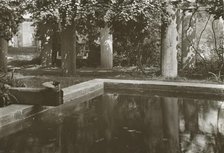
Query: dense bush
[[6, 82]]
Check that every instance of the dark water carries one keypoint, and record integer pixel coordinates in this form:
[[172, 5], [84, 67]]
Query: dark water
[[115, 123]]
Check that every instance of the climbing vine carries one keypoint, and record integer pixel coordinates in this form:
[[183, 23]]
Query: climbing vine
[[215, 10]]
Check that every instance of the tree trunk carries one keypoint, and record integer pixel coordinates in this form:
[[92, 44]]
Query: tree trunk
[[170, 124], [46, 45], [46, 52], [169, 43], [68, 49], [3, 54], [55, 47], [106, 47]]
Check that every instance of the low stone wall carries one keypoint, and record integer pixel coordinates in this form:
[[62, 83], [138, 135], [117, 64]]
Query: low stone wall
[[11, 117], [83, 89], [17, 117], [166, 88]]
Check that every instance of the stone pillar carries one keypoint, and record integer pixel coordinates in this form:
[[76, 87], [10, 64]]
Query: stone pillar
[[169, 43], [106, 47]]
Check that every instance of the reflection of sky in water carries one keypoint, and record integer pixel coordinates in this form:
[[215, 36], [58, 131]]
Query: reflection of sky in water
[[208, 121], [123, 124]]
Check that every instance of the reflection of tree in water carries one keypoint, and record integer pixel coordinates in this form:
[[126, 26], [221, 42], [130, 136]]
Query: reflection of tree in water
[[129, 124], [202, 119], [144, 115], [38, 139], [80, 132], [124, 123]]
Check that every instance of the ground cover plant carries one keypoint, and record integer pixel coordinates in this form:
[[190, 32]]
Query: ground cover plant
[[6, 82]]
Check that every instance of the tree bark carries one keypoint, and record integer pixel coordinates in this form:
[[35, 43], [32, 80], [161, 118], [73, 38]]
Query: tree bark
[[46, 45], [106, 47], [3, 54], [170, 124], [169, 43], [68, 49], [46, 52], [55, 47]]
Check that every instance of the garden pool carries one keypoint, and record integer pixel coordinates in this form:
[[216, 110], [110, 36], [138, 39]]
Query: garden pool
[[125, 123]]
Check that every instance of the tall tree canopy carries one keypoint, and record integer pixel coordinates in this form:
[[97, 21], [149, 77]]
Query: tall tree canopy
[[128, 19], [10, 16], [131, 21]]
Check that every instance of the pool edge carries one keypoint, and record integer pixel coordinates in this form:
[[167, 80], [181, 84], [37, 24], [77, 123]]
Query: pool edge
[[90, 89]]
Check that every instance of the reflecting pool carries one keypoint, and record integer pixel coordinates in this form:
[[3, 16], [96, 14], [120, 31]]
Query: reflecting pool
[[122, 123]]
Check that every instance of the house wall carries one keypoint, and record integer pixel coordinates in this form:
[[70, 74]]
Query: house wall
[[25, 35]]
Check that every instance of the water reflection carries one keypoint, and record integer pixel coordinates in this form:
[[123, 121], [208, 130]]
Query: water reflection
[[115, 123]]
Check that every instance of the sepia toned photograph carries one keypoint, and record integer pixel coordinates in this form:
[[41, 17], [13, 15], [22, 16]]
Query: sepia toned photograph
[[111, 76]]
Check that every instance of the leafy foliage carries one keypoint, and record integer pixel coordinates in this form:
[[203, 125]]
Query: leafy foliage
[[130, 22], [215, 7], [10, 16], [6, 82]]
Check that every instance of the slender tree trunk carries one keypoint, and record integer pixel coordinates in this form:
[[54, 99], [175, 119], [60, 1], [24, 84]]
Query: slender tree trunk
[[170, 124], [55, 47], [46, 52], [106, 46], [3, 54], [46, 46], [68, 49], [169, 44]]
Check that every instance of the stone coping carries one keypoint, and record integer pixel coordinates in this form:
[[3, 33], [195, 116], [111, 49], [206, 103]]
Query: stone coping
[[163, 83], [183, 88], [87, 90], [15, 114]]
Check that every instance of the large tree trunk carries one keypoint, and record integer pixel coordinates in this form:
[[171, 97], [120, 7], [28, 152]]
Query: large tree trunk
[[68, 49], [3, 54], [170, 124], [169, 40], [106, 46]]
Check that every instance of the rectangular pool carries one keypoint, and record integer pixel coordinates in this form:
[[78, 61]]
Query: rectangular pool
[[119, 122]]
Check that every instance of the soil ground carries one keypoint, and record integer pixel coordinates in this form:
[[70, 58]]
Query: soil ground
[[27, 69]]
